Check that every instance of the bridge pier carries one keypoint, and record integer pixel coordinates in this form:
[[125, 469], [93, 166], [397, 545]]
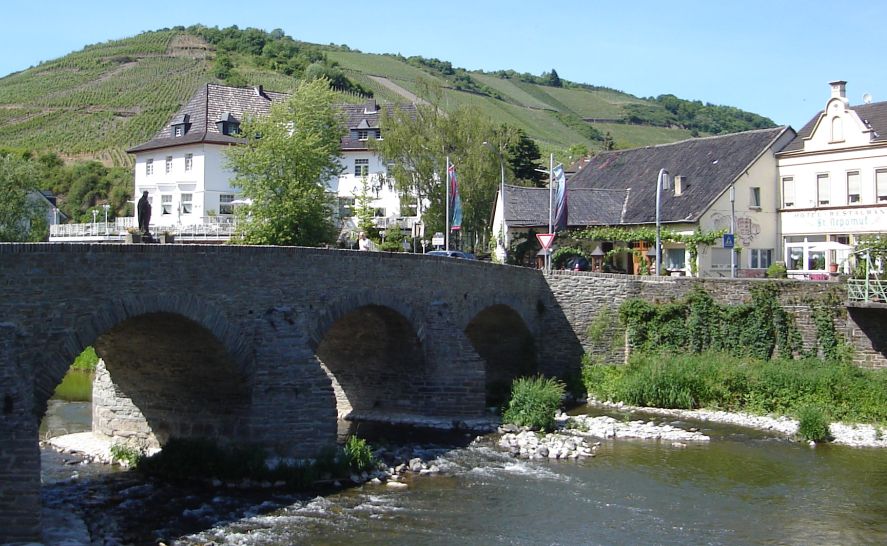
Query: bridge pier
[[20, 456]]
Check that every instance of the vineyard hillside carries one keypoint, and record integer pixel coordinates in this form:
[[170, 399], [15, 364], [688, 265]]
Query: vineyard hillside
[[97, 102]]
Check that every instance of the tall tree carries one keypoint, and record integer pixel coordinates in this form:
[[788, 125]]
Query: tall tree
[[523, 158], [417, 144], [22, 217], [283, 167]]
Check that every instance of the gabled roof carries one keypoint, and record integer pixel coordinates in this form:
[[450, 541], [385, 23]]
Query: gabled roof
[[211, 102], [528, 207], [709, 166], [874, 115]]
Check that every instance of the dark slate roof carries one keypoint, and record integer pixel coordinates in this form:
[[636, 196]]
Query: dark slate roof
[[874, 114], [212, 102], [709, 166], [528, 207]]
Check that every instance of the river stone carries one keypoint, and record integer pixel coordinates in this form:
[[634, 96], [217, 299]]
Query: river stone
[[416, 464], [396, 485]]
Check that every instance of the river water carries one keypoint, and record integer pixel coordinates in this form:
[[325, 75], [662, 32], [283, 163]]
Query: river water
[[742, 487]]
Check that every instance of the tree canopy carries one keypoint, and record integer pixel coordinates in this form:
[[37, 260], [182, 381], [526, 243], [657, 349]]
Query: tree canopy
[[417, 145], [22, 217], [283, 167]]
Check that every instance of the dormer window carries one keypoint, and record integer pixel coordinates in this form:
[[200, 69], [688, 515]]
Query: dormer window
[[227, 124], [180, 125], [363, 134]]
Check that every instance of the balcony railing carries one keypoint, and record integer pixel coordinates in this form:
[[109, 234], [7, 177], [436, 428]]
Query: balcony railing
[[867, 290], [207, 228]]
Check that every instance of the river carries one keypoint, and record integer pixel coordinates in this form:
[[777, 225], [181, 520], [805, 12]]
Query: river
[[742, 487]]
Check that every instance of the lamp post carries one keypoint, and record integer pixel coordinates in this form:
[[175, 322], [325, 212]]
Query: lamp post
[[424, 244], [732, 229], [95, 213], [662, 182], [106, 206]]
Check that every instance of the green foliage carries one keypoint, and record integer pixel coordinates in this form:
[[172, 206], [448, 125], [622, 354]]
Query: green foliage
[[698, 323], [813, 424], [668, 110], [777, 270], [284, 171], [21, 213], [359, 455], [128, 455], [720, 380], [86, 360], [417, 146], [534, 402], [559, 256]]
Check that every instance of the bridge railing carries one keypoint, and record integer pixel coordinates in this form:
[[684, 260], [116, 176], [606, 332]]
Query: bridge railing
[[867, 290]]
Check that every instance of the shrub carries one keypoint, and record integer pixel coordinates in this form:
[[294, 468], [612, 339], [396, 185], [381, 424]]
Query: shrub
[[777, 270], [534, 402], [86, 361], [127, 455], [358, 454], [813, 424]]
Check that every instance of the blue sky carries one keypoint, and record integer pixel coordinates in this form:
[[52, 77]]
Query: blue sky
[[773, 57]]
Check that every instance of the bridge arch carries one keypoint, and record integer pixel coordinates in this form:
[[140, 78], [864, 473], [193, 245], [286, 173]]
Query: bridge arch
[[170, 367], [502, 337], [373, 354]]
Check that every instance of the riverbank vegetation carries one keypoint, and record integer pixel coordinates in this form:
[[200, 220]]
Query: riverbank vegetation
[[185, 460], [718, 380], [534, 402], [696, 353]]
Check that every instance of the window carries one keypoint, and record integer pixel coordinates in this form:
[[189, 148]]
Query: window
[[361, 167], [675, 258], [760, 258], [149, 167], [225, 206], [187, 204], [754, 198], [189, 161], [837, 130], [166, 204], [853, 187], [362, 134], [822, 189], [179, 130], [379, 212], [168, 167], [881, 183], [788, 191], [795, 255], [346, 207]]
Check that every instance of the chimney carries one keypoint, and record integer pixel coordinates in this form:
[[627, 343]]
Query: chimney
[[680, 183], [259, 90], [839, 89], [370, 107]]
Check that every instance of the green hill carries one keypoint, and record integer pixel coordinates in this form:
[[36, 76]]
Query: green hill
[[96, 102]]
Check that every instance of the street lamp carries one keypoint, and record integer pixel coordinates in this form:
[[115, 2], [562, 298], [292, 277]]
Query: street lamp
[[500, 248], [662, 182], [95, 213], [106, 206]]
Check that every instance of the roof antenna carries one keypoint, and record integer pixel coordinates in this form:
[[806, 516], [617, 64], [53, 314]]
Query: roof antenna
[[867, 98]]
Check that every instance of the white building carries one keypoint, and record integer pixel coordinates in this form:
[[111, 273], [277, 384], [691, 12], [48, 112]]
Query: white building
[[833, 184], [183, 168]]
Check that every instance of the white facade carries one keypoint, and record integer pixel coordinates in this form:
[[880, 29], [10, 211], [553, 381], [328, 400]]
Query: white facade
[[196, 186], [833, 189]]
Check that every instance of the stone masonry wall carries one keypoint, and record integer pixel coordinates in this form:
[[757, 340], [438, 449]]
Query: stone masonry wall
[[583, 296]]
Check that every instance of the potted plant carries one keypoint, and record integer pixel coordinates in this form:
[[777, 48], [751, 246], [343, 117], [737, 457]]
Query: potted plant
[[167, 237], [833, 267], [133, 235]]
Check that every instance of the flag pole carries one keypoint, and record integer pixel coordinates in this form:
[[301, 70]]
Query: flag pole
[[550, 205], [447, 221]]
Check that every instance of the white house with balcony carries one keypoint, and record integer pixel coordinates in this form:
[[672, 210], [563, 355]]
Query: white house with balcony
[[833, 184], [183, 168]]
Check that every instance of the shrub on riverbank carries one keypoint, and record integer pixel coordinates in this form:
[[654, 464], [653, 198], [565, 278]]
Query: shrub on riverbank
[[534, 402], [722, 381], [202, 459], [813, 424]]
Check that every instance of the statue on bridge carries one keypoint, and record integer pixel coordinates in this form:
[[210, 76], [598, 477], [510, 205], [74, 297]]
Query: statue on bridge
[[144, 212]]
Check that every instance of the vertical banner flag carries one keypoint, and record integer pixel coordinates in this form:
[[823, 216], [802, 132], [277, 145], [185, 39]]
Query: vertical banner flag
[[560, 199], [455, 199]]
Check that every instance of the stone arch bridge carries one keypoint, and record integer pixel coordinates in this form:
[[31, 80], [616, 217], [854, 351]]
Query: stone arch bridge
[[265, 345], [271, 345]]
